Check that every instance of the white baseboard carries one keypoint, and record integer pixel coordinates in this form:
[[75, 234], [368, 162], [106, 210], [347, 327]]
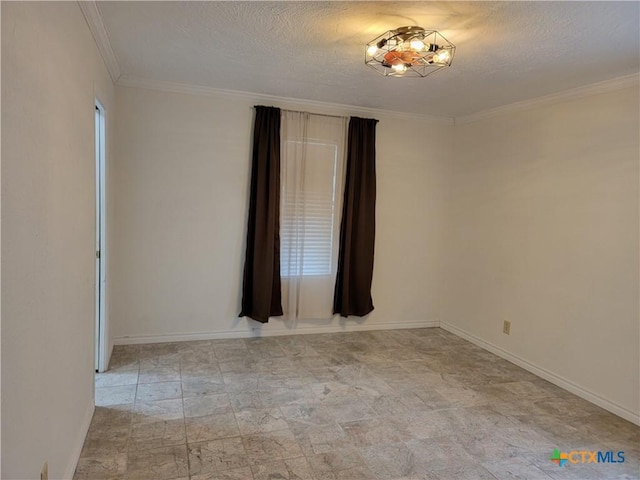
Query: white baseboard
[[546, 374], [110, 349], [79, 443], [267, 331]]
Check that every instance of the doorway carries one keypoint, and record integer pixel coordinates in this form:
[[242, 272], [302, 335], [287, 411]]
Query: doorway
[[100, 301]]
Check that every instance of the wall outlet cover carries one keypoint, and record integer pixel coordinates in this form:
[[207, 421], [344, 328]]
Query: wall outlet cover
[[506, 327]]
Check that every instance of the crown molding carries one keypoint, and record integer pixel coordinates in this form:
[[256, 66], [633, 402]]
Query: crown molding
[[325, 107], [94, 19], [285, 102], [574, 93]]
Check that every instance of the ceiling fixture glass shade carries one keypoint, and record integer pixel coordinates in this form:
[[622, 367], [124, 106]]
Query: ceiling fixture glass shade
[[409, 52]]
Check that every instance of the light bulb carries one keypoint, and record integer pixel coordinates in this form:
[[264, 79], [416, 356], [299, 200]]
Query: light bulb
[[416, 45], [371, 51], [442, 56], [399, 67]]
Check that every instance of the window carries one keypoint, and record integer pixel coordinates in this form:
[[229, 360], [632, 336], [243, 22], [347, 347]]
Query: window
[[308, 210], [311, 175]]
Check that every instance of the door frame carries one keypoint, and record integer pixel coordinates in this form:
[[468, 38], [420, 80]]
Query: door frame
[[101, 344]]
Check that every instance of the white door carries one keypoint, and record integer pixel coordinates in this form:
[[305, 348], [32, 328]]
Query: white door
[[100, 328]]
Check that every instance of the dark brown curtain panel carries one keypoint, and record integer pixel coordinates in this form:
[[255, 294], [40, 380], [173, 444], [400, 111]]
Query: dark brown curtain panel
[[261, 289], [352, 294]]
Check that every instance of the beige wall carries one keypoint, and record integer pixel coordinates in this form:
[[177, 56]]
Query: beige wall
[[542, 230], [51, 73], [182, 176]]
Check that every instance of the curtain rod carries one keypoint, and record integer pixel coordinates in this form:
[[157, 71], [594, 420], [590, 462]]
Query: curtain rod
[[311, 113]]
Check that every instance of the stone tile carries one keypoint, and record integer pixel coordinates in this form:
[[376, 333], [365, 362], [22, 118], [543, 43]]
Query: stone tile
[[118, 395], [557, 429], [292, 469], [102, 467], [202, 381], [440, 453], [157, 360], [270, 446], [257, 421], [314, 439], [475, 418], [610, 427], [487, 445], [128, 361], [132, 349], [433, 476], [166, 433], [158, 464], [271, 381], [109, 440], [463, 397], [581, 472], [196, 352], [551, 389], [467, 412], [201, 371], [266, 353], [161, 347], [211, 427], [151, 392], [328, 464], [235, 474], [394, 404], [569, 407], [246, 401], [350, 410], [193, 388], [229, 352], [512, 391], [369, 388], [476, 472], [229, 343], [106, 441], [157, 411], [296, 346], [515, 468], [240, 382], [275, 397], [159, 373], [113, 378], [371, 431], [393, 460], [113, 416], [431, 399], [204, 405], [333, 392], [208, 458], [521, 407], [525, 439], [244, 364], [428, 424], [307, 413]]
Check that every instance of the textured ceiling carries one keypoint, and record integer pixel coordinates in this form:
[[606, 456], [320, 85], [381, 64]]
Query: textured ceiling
[[507, 51]]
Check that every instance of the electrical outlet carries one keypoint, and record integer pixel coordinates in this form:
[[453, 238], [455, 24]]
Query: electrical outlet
[[506, 327], [44, 475]]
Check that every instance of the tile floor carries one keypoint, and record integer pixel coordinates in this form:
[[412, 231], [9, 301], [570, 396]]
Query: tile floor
[[404, 404]]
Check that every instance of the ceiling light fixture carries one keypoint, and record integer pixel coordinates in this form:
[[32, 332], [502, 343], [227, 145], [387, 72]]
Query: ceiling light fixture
[[409, 52]]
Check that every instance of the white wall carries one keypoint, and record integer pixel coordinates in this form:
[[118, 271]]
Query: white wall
[[51, 73], [181, 177], [542, 230]]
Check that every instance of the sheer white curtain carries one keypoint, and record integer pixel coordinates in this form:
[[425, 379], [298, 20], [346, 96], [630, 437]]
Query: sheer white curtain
[[312, 182]]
